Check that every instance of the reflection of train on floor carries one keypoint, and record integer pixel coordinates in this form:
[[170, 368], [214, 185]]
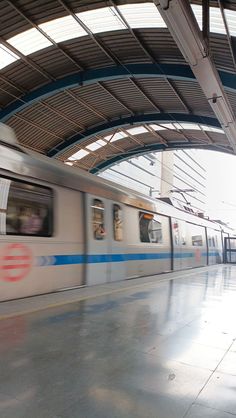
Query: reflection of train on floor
[[61, 227]]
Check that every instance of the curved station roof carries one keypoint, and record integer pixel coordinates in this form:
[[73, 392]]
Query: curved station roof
[[95, 82]]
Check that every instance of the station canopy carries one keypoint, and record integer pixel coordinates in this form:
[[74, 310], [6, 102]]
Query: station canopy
[[92, 83]]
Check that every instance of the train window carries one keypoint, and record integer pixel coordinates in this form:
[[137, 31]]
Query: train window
[[197, 240], [212, 240], [25, 209], [197, 233], [179, 232], [150, 228], [176, 232], [183, 233], [98, 219], [117, 223]]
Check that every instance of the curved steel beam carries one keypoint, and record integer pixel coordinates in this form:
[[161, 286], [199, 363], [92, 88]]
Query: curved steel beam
[[127, 121], [150, 148], [83, 78]]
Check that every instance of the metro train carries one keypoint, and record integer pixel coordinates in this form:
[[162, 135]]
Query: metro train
[[61, 228]]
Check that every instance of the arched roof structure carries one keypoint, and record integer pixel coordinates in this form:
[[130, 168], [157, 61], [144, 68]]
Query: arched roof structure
[[94, 82]]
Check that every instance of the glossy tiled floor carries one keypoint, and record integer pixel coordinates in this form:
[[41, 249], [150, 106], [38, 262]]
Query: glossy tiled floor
[[162, 351]]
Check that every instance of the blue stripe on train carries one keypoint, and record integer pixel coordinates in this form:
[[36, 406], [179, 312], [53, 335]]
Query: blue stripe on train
[[70, 259]]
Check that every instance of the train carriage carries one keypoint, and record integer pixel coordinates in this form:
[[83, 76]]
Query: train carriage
[[62, 228]]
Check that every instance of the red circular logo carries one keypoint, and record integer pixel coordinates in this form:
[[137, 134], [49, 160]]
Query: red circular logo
[[16, 262]]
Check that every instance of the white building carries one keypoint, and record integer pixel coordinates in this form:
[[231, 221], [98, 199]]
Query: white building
[[177, 175]]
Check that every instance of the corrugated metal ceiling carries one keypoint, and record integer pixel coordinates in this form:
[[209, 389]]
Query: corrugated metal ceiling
[[51, 121]]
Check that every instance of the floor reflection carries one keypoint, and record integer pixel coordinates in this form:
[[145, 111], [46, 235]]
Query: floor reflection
[[166, 351]]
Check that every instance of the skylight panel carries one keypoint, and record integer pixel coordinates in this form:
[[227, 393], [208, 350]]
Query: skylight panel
[[157, 127], [190, 126], [197, 10], [29, 41], [177, 125], [168, 126], [142, 15], [212, 129], [101, 20], [63, 29], [6, 56], [79, 155], [137, 130], [216, 21], [231, 20], [96, 145], [115, 137]]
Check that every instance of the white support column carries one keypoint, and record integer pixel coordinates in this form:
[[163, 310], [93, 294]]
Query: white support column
[[167, 175]]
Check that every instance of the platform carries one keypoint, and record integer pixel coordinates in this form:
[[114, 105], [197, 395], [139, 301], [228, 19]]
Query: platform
[[158, 347]]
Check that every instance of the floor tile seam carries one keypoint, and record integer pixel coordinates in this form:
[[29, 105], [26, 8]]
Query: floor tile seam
[[82, 298], [214, 409], [208, 379], [224, 373], [205, 345], [180, 362]]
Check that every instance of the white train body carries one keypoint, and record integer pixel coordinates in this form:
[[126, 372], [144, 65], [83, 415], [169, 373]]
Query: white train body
[[61, 227]]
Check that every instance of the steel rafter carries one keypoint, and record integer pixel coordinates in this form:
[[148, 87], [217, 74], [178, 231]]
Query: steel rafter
[[97, 76], [19, 11], [153, 104], [62, 115], [172, 71], [148, 53], [86, 105], [149, 149], [99, 43], [132, 137], [35, 125], [107, 90], [156, 134], [27, 60], [184, 29], [88, 31], [12, 84], [206, 135], [227, 33], [127, 121]]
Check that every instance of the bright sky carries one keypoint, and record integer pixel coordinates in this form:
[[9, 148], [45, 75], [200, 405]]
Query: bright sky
[[221, 185]]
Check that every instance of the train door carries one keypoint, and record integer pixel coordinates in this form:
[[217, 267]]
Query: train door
[[223, 236], [179, 243], [97, 242], [115, 233], [176, 244]]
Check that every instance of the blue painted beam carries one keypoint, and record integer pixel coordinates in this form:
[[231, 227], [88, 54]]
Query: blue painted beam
[[129, 121], [172, 71], [146, 149]]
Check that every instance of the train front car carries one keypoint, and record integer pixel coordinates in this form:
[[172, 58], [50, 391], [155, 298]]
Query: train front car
[[41, 227], [62, 228]]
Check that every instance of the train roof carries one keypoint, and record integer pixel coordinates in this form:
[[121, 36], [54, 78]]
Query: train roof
[[19, 161]]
